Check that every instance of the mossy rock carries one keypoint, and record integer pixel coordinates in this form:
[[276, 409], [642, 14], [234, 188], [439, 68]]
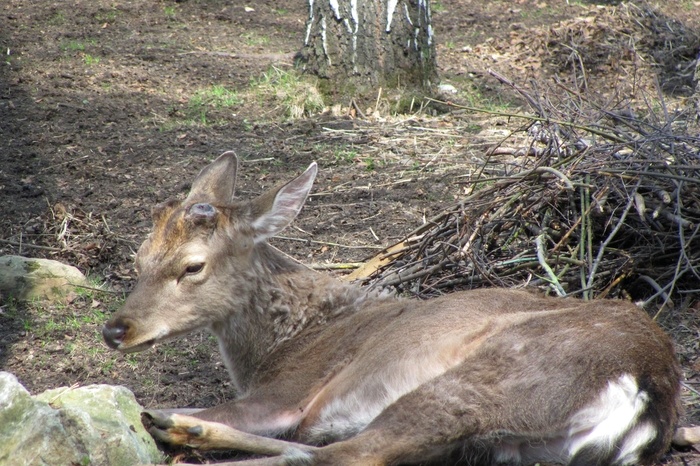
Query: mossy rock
[[87, 426], [25, 278]]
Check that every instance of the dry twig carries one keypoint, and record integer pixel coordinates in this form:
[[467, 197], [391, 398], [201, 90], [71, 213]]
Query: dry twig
[[561, 219]]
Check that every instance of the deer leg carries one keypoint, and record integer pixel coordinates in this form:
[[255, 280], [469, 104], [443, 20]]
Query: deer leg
[[430, 422], [271, 461], [179, 429], [466, 409]]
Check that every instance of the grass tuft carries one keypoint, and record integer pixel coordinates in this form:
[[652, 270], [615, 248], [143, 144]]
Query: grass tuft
[[204, 100], [297, 96]]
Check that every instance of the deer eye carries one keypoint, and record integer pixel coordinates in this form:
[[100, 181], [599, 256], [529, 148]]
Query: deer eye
[[193, 269]]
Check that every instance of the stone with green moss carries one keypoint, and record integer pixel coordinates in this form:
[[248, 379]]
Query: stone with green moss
[[92, 425], [26, 278]]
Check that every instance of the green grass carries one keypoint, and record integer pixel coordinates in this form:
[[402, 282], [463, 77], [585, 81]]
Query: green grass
[[94, 351], [107, 366], [10, 307], [69, 347], [275, 89], [73, 45], [91, 60], [344, 155], [298, 97], [204, 100], [51, 326], [437, 7], [215, 96], [27, 325], [253, 39], [83, 311], [131, 360], [170, 12], [169, 351], [109, 16], [370, 163], [57, 19]]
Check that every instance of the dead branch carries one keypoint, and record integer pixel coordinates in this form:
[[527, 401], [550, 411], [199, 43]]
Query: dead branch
[[562, 220]]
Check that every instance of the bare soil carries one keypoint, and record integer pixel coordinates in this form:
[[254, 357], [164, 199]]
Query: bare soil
[[99, 122]]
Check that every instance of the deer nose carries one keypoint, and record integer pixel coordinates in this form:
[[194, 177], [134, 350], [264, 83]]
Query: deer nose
[[113, 334]]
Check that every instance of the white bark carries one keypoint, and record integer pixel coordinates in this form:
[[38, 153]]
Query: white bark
[[372, 41], [390, 7]]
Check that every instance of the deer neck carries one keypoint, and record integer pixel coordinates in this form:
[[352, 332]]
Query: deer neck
[[282, 298]]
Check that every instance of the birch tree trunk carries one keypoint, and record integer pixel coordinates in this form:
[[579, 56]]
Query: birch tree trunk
[[357, 46]]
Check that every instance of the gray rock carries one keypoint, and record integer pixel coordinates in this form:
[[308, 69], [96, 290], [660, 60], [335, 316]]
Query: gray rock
[[96, 425], [447, 89], [26, 278]]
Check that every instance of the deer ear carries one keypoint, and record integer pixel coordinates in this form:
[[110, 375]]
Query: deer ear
[[276, 209], [216, 183]]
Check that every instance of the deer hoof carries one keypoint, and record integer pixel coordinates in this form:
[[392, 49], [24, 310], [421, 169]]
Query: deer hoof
[[153, 417], [175, 429]]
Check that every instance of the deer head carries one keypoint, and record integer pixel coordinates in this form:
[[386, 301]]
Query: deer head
[[197, 266]]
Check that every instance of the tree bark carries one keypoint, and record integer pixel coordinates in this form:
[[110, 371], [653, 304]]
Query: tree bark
[[357, 46]]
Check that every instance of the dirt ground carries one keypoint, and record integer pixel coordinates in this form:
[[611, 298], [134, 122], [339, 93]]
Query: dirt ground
[[110, 107]]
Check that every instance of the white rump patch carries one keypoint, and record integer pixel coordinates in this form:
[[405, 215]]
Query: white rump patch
[[634, 442], [612, 417], [610, 421]]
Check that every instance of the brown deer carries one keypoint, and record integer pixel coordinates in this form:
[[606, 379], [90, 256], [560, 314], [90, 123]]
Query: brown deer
[[329, 373]]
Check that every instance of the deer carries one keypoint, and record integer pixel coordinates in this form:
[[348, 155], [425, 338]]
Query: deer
[[329, 373]]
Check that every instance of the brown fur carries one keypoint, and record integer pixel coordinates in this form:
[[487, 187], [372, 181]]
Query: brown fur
[[379, 380]]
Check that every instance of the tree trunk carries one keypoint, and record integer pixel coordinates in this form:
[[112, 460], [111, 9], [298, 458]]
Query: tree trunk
[[357, 46]]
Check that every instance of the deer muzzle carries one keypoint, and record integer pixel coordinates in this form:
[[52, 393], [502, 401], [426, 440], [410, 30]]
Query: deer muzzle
[[114, 332]]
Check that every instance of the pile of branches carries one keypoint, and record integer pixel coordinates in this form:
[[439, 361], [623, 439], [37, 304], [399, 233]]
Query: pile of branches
[[632, 36], [590, 201]]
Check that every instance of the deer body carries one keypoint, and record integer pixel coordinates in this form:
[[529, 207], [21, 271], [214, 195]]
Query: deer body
[[351, 377]]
